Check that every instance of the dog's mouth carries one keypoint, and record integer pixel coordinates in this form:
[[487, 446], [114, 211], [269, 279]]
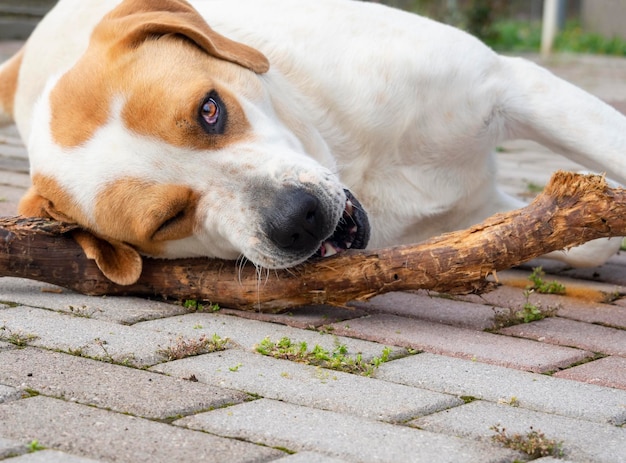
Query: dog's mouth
[[352, 232]]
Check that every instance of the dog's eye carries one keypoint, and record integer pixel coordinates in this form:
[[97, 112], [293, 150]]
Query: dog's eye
[[212, 114], [210, 111]]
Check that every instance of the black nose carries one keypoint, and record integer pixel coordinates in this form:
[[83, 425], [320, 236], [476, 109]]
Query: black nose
[[296, 222]]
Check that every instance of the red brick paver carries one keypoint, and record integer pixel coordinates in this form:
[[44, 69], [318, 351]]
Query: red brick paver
[[609, 372], [572, 333], [436, 338], [433, 308]]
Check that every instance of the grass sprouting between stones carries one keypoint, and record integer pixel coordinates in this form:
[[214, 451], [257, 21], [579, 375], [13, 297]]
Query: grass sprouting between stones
[[337, 359]]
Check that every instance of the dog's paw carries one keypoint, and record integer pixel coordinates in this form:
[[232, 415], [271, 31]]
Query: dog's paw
[[590, 254]]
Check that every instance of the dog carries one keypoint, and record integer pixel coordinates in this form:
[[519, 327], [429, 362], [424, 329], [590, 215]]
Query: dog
[[278, 130]]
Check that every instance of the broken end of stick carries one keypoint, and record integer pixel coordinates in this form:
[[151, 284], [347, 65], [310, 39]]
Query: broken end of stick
[[563, 184]]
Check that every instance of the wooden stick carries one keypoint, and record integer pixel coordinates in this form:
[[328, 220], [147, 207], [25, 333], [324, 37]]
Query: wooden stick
[[572, 209]]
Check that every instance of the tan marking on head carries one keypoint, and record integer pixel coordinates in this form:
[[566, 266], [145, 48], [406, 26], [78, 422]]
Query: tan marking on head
[[46, 198], [9, 73], [161, 58], [145, 214], [118, 261]]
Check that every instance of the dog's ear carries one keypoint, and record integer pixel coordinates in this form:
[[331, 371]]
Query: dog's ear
[[118, 261], [134, 21]]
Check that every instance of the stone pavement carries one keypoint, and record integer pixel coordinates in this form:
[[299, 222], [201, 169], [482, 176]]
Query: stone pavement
[[113, 379]]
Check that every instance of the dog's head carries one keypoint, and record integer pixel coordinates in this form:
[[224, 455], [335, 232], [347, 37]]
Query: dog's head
[[162, 140]]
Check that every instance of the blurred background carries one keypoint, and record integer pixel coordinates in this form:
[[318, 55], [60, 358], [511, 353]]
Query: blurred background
[[582, 26]]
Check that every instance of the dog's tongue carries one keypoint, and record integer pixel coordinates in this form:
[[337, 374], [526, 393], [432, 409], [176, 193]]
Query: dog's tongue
[[352, 232]]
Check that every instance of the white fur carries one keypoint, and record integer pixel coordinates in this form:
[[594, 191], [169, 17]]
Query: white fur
[[402, 110]]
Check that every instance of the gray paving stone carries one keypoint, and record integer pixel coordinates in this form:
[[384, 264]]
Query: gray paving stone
[[50, 456], [126, 310], [248, 333], [91, 338], [299, 428], [8, 393], [309, 457], [6, 345], [104, 435], [572, 333], [113, 387], [436, 338], [10, 447], [499, 384], [551, 460], [311, 386], [582, 440]]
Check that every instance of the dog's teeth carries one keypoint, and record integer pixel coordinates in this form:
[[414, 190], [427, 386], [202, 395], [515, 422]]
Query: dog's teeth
[[328, 250], [349, 207]]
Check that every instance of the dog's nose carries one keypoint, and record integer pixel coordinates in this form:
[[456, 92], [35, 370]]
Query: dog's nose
[[296, 222]]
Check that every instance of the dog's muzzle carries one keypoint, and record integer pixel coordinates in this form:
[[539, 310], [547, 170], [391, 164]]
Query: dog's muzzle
[[352, 232], [300, 225]]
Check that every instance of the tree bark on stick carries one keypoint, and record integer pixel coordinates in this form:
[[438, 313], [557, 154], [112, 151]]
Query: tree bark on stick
[[573, 209]]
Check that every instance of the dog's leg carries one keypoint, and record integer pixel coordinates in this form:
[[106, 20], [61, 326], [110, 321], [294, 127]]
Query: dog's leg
[[540, 106], [9, 72]]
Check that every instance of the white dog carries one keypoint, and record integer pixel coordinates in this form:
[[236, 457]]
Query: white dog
[[236, 129]]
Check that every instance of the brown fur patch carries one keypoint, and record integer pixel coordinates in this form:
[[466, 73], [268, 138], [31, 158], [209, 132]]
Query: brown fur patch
[[159, 72], [8, 82], [134, 211], [46, 198]]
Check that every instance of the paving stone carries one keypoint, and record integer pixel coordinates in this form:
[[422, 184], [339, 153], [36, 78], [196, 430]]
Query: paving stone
[[459, 342], [309, 457], [614, 271], [91, 432], [608, 371], [309, 385], [298, 428], [50, 456], [8, 393], [572, 333], [301, 317], [576, 308], [9, 448], [582, 440], [6, 345], [551, 460], [109, 386], [126, 310], [424, 306], [248, 333], [499, 384], [91, 338]]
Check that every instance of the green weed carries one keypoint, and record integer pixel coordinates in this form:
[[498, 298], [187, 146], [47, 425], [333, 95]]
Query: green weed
[[543, 287], [337, 359]]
